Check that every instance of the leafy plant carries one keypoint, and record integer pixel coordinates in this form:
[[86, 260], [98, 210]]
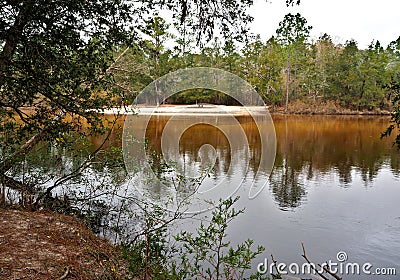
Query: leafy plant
[[205, 254], [148, 254], [209, 255], [394, 88]]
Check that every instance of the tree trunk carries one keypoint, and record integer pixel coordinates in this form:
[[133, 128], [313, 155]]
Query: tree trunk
[[13, 35], [287, 83], [6, 164]]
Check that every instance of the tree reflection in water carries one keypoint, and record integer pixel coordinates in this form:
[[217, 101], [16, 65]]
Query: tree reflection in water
[[309, 148]]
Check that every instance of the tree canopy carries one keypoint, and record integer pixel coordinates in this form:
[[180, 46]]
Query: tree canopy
[[63, 61], [56, 56]]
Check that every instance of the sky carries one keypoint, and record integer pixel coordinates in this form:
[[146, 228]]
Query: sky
[[361, 20]]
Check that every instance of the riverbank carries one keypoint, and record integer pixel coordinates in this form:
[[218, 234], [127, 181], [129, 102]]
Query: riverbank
[[198, 110], [46, 245], [295, 108], [324, 108]]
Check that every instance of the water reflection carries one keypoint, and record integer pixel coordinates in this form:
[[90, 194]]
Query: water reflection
[[225, 153], [333, 175], [317, 145], [309, 148]]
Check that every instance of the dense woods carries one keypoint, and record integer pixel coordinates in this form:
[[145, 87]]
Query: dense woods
[[290, 64]]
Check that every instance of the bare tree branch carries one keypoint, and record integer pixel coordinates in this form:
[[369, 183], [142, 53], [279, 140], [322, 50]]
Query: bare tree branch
[[311, 265]]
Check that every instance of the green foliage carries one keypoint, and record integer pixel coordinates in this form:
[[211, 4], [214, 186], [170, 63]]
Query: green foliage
[[394, 87], [204, 255], [293, 29], [313, 72], [209, 255], [53, 62], [149, 253], [316, 72], [58, 60]]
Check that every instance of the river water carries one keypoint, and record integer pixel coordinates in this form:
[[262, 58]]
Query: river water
[[335, 186]]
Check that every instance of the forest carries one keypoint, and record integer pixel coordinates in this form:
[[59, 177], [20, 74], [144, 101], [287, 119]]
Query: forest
[[63, 176], [291, 70]]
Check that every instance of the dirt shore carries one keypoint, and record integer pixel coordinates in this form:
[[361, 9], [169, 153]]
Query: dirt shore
[[45, 245]]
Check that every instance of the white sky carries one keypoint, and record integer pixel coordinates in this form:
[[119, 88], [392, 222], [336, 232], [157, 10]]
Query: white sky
[[343, 20]]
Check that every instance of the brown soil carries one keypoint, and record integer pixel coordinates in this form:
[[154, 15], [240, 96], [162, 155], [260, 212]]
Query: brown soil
[[44, 245]]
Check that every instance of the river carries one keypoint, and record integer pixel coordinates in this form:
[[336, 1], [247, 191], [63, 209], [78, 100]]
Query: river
[[335, 186]]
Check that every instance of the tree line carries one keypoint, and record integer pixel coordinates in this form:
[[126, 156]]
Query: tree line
[[61, 62], [288, 68]]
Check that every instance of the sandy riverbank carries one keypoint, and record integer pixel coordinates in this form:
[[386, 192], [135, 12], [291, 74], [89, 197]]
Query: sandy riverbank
[[210, 109], [205, 109]]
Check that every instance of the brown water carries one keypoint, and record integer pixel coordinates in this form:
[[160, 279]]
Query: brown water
[[335, 186]]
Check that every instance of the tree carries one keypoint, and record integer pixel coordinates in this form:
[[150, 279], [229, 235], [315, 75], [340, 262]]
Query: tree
[[292, 29], [393, 88], [156, 31], [293, 33], [374, 75], [53, 60], [261, 66], [344, 75], [325, 54], [56, 59], [185, 39]]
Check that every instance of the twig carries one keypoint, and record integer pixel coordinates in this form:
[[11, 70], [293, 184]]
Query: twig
[[330, 272], [311, 265], [78, 170], [116, 60], [65, 275], [326, 269], [278, 273]]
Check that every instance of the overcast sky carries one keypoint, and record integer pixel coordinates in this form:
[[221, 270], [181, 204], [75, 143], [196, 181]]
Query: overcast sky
[[361, 20]]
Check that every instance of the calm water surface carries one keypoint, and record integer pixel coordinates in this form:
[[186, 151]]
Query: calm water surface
[[335, 186]]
